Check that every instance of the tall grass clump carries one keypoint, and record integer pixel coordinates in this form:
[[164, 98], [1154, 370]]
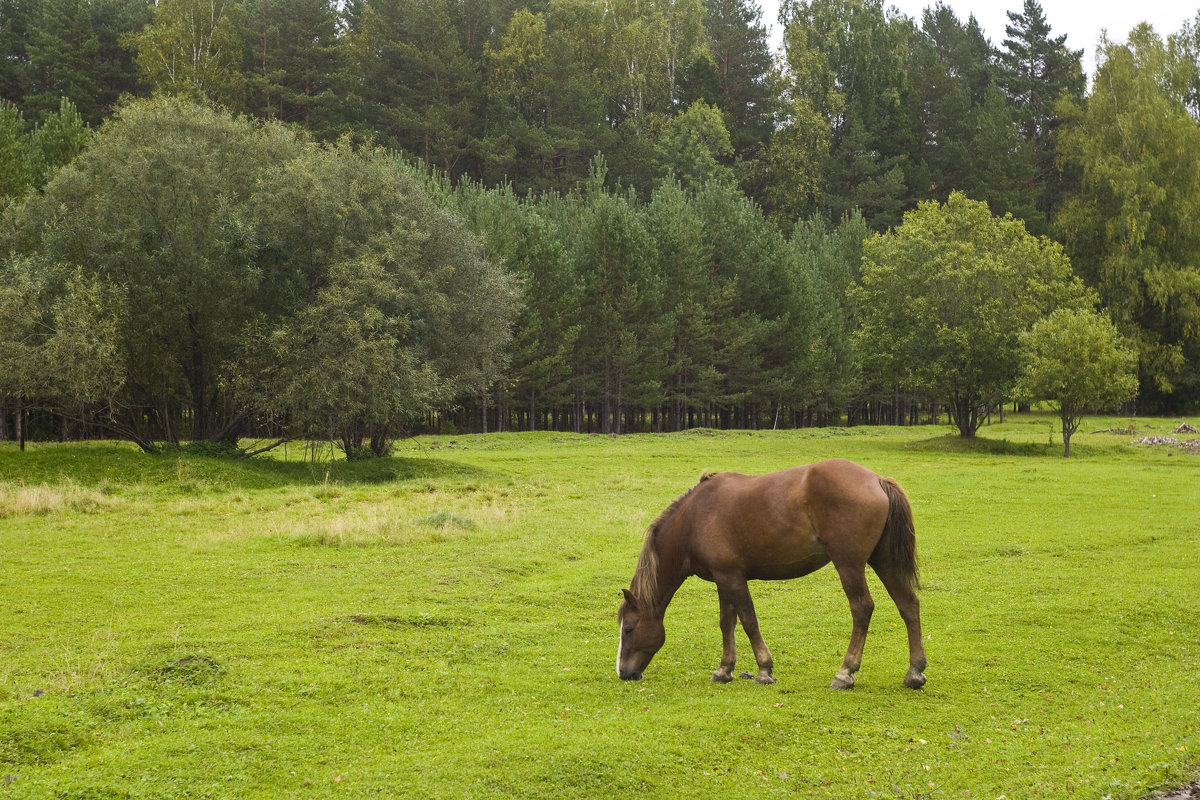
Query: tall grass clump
[[43, 499]]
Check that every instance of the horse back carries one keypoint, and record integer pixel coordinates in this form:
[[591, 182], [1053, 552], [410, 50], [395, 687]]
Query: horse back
[[784, 524]]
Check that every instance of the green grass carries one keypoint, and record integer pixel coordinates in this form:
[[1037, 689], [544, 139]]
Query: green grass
[[441, 624]]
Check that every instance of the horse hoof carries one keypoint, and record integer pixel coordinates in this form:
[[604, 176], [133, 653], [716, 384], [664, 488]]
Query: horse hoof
[[842, 682], [745, 676], [915, 681], [721, 676], [765, 679]]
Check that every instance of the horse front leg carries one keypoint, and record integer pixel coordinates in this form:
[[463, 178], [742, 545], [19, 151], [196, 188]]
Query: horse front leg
[[854, 583], [738, 594], [724, 673]]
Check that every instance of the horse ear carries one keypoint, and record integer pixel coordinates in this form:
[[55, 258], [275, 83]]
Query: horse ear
[[630, 600]]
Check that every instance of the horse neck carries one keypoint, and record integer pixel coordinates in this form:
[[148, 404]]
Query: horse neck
[[670, 570]]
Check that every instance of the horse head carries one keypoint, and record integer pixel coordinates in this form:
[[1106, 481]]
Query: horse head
[[642, 636]]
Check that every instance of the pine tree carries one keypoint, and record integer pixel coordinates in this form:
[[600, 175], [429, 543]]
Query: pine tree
[[15, 74], [291, 61], [63, 49], [410, 81], [737, 76], [1037, 70], [968, 139]]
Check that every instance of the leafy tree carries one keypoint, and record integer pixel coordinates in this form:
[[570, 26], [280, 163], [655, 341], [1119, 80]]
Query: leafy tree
[[1130, 227], [258, 265], [791, 170], [1075, 359], [388, 309], [193, 49], [693, 145], [58, 346], [159, 204], [944, 297], [1184, 59]]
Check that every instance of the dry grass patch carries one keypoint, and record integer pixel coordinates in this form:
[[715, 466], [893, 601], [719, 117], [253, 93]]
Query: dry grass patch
[[20, 499], [384, 525]]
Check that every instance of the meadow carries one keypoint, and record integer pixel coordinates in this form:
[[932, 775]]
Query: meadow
[[440, 623]]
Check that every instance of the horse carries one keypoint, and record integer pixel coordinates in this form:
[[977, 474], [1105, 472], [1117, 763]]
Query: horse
[[732, 528]]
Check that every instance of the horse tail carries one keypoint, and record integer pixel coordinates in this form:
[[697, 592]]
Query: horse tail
[[897, 546]]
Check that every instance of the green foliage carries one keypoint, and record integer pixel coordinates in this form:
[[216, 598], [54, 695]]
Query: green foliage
[[1036, 71], [694, 144], [867, 113], [58, 345], [161, 205], [193, 49], [969, 141], [735, 76], [1131, 226], [29, 157], [265, 274], [291, 63], [1075, 359], [408, 314], [411, 80], [843, 104], [944, 297]]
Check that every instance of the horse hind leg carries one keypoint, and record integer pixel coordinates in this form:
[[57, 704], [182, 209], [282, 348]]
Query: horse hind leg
[[854, 583], [902, 594]]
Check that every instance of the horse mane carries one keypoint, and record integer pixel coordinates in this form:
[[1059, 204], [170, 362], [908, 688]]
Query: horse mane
[[644, 585]]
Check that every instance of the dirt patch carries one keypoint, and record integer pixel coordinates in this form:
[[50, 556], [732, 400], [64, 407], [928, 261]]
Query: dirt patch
[[1189, 792], [190, 670]]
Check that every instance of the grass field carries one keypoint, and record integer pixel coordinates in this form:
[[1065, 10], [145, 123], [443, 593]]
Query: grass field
[[441, 624]]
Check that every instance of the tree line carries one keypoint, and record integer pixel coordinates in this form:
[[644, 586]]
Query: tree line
[[680, 214]]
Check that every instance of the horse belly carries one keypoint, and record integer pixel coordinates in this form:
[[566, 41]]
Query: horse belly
[[788, 567]]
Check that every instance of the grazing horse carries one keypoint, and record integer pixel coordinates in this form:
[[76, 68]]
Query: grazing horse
[[732, 528]]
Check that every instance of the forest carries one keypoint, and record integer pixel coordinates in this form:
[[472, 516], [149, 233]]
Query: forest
[[353, 220]]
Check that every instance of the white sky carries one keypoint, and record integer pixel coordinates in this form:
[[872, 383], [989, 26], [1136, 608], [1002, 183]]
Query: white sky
[[1081, 20]]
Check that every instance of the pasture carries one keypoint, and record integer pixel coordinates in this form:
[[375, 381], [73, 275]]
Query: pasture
[[441, 624]]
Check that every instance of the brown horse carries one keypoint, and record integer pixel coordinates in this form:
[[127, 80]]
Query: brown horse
[[731, 528]]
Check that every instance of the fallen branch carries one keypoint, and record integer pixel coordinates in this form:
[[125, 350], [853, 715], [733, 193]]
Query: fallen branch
[[266, 449]]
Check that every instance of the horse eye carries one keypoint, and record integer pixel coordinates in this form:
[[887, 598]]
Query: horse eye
[[628, 631]]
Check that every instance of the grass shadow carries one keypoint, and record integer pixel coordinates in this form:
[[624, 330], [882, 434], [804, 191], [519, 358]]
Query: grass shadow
[[389, 469], [113, 464], [953, 443]]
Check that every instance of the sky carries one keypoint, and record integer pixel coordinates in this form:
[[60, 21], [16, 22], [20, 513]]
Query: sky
[[1081, 20]]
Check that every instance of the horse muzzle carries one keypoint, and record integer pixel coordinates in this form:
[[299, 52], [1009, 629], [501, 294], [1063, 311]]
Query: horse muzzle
[[629, 675]]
